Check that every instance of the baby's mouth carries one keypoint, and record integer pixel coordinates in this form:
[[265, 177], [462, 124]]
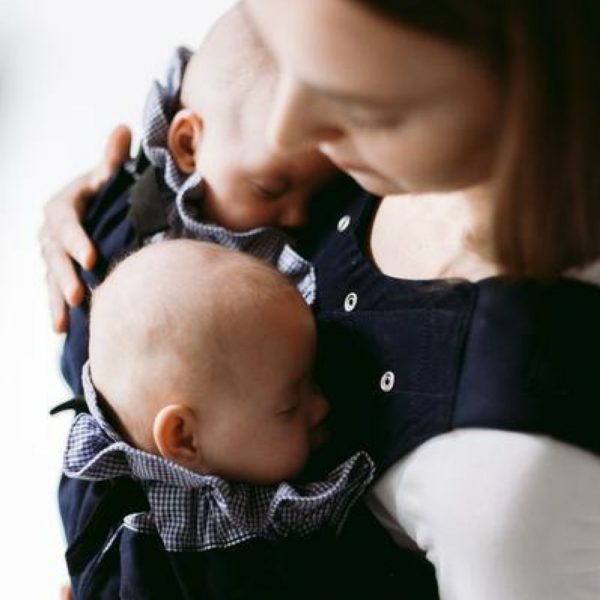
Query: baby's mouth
[[319, 436]]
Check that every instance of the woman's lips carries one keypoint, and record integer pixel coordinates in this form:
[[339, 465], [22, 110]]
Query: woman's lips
[[345, 166]]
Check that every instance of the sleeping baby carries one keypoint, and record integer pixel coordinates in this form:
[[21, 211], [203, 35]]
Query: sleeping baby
[[199, 385]]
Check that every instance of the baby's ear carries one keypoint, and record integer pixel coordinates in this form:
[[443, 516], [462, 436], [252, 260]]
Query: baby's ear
[[175, 433], [185, 133]]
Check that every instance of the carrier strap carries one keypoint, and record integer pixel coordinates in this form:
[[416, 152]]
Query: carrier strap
[[148, 211]]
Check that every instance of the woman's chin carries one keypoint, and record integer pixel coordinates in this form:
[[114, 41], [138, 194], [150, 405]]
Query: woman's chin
[[374, 183]]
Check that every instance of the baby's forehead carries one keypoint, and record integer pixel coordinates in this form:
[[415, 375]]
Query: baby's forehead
[[178, 284]]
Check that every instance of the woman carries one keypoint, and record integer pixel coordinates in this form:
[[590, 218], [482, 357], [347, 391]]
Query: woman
[[477, 123]]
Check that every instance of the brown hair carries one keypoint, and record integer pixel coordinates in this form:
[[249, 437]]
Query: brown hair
[[547, 215]]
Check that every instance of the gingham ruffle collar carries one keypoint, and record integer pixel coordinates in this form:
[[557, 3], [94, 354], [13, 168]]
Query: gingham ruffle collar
[[196, 512]]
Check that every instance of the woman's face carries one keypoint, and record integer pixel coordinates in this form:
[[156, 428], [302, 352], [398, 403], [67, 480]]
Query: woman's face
[[398, 110]]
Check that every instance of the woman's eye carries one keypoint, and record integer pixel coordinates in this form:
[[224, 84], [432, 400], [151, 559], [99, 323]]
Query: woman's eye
[[371, 121]]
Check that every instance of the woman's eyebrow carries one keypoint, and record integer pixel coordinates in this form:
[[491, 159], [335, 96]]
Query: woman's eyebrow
[[353, 99]]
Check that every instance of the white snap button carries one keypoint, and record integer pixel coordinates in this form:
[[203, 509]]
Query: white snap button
[[343, 223], [350, 302], [386, 383]]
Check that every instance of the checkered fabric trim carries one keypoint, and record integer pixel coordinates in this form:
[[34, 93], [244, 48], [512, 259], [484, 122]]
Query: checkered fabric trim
[[195, 512], [266, 243]]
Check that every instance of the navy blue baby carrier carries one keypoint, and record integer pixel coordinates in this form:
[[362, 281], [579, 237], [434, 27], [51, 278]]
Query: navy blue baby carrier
[[401, 361], [107, 560]]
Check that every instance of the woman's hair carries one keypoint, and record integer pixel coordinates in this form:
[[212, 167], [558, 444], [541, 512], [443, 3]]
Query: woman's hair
[[546, 53]]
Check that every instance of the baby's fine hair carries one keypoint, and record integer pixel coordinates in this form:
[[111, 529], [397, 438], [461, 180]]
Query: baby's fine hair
[[164, 320]]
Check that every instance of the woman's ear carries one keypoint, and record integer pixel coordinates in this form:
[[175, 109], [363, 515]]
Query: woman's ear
[[175, 433], [184, 137]]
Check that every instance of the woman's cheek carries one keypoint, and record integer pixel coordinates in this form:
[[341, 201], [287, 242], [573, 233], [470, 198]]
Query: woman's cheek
[[425, 158]]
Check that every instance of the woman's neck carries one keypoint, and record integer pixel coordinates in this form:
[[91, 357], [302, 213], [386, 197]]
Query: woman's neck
[[433, 236]]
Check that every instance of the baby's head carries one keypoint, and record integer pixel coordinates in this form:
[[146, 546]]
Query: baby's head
[[204, 355], [226, 99]]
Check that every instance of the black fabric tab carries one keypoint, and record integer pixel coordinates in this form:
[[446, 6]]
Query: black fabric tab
[[140, 162], [77, 404], [147, 211]]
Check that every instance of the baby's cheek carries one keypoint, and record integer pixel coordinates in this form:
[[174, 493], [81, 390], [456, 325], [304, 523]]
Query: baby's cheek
[[298, 455]]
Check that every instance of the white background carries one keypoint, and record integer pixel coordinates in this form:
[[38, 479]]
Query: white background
[[69, 71]]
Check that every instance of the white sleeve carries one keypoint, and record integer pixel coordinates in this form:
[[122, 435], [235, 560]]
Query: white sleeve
[[501, 515]]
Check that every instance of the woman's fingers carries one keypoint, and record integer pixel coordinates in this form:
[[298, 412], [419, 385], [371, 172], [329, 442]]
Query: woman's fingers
[[62, 237], [59, 313], [61, 272], [66, 593], [64, 212], [62, 225]]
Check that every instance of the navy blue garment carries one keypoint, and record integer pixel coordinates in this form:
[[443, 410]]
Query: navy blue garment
[[419, 358], [402, 361], [107, 560]]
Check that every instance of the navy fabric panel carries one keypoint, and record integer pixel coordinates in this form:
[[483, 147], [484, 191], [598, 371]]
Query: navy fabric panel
[[531, 360], [106, 222], [78, 501], [414, 329], [146, 572]]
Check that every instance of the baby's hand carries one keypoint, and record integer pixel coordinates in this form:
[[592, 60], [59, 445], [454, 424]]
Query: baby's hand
[[62, 238]]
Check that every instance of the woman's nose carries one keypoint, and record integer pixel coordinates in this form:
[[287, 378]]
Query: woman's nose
[[297, 122]]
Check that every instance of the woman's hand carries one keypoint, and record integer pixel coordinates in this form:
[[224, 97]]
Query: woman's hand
[[63, 239]]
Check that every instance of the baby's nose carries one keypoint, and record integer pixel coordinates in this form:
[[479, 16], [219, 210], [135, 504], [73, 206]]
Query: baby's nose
[[294, 213], [319, 433], [320, 408]]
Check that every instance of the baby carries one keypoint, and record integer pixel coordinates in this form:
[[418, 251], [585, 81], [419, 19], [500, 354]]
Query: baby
[[204, 355], [199, 386], [219, 132]]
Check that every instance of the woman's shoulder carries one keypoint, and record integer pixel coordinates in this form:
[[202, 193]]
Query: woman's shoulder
[[532, 354]]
